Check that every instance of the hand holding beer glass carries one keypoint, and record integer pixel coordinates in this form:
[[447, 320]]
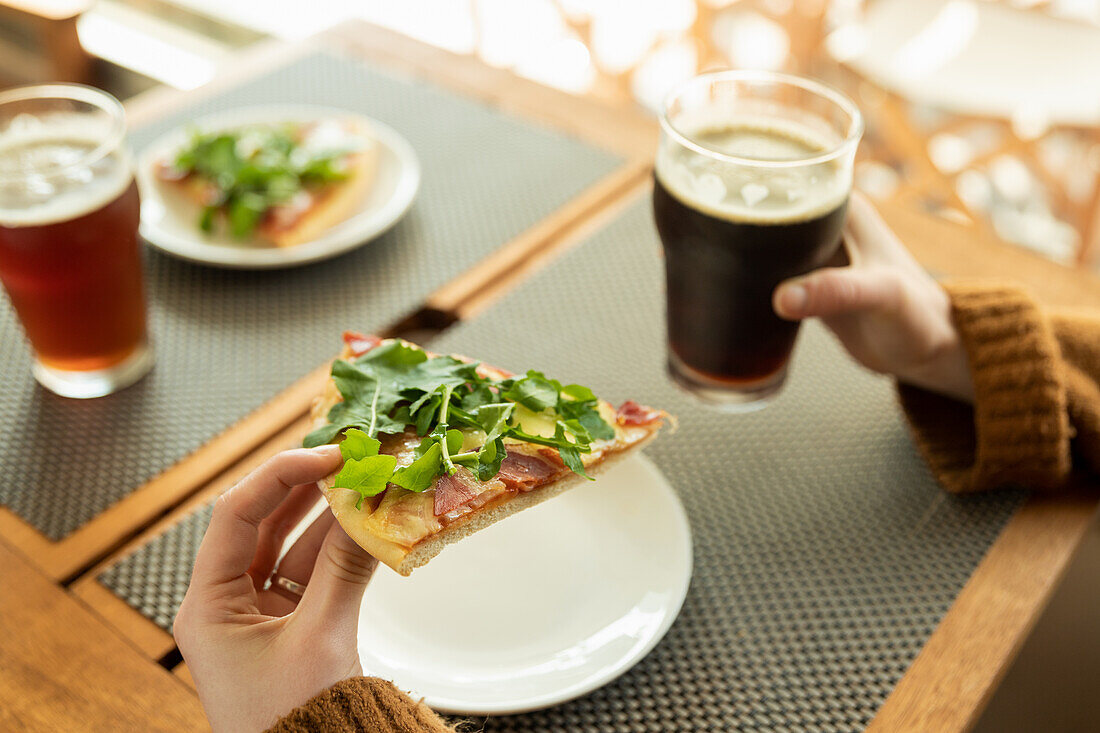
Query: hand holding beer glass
[[70, 259], [753, 174]]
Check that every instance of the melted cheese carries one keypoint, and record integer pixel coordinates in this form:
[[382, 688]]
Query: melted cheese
[[472, 439], [404, 517], [535, 423]]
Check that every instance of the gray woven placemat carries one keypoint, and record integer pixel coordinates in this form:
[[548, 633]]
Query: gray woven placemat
[[825, 554], [227, 341]]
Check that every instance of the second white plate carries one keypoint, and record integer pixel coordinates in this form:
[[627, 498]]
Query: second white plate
[[169, 221], [541, 608]]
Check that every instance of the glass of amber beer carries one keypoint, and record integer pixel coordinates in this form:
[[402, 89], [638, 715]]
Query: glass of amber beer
[[753, 174], [70, 260]]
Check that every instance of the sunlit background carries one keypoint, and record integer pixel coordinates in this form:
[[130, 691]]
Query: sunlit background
[[986, 112]]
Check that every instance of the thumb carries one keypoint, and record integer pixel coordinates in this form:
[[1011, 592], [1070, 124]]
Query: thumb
[[836, 291], [340, 576]]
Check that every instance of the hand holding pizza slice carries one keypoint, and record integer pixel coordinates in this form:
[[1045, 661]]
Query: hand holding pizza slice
[[437, 447]]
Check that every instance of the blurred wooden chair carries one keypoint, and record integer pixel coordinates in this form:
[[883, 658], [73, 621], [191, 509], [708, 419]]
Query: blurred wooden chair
[[38, 41]]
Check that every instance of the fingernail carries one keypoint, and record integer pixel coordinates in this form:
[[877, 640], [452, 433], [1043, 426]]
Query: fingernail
[[326, 450], [793, 299]]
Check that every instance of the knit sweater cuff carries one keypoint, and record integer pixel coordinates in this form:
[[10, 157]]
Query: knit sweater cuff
[[359, 704], [1018, 430]]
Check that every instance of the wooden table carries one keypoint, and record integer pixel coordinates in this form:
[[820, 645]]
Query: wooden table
[[63, 668], [946, 687]]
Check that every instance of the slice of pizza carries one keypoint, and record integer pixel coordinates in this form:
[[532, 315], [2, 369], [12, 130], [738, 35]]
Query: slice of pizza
[[281, 184], [438, 447]]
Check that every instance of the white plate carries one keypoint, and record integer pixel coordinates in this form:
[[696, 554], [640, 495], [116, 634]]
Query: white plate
[[169, 221], [541, 608]]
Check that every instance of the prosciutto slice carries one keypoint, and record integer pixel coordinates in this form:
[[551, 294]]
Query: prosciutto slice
[[631, 413], [451, 492], [526, 471], [359, 343]]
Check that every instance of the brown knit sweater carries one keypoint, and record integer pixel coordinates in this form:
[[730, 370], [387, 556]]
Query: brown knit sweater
[[1036, 406], [362, 704], [1036, 395]]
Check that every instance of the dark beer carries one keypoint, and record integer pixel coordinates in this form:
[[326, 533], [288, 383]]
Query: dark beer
[[730, 236], [720, 274]]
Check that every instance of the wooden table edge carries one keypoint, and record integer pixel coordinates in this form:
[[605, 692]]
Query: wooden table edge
[[150, 639], [948, 685], [147, 635], [121, 703], [65, 558], [184, 674]]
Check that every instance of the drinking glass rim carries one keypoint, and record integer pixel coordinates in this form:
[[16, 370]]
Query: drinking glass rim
[[80, 93], [855, 129]]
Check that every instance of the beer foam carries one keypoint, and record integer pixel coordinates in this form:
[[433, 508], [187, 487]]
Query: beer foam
[[743, 192], [46, 174]]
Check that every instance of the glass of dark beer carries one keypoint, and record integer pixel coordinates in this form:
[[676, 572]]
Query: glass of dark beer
[[752, 176], [70, 260]]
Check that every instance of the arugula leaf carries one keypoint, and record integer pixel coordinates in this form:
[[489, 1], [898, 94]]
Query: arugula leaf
[[357, 445], [454, 441], [479, 394], [364, 471], [420, 475], [421, 449], [437, 371], [369, 398], [493, 419], [457, 416], [586, 413], [572, 458], [555, 442], [206, 218], [577, 430], [449, 440], [427, 412], [423, 400], [570, 455], [322, 435], [366, 404], [535, 392], [401, 416], [578, 392], [394, 356], [245, 212], [322, 170]]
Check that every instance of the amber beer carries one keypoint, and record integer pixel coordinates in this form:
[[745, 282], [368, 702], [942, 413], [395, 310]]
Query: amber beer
[[751, 188], [70, 258]]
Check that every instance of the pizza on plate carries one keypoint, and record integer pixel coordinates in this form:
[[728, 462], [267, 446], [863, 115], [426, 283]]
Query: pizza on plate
[[274, 184], [438, 447]]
